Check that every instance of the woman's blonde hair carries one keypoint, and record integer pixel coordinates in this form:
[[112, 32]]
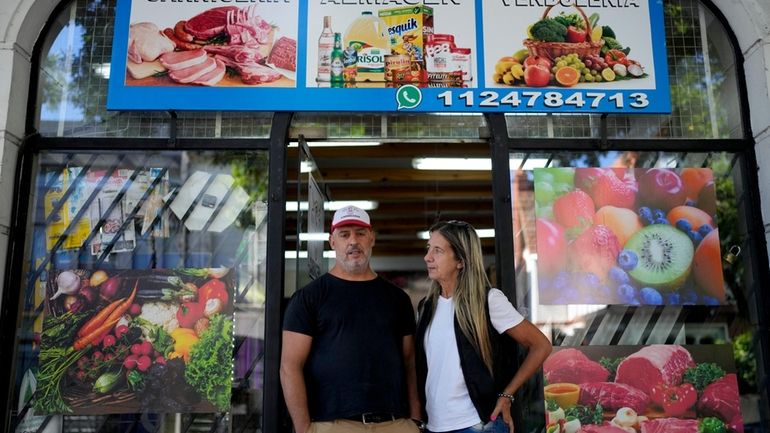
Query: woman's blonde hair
[[470, 294]]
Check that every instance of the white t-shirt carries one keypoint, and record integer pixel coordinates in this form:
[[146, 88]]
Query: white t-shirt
[[448, 403]]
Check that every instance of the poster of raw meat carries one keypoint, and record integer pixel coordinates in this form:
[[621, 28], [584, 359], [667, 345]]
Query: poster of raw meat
[[135, 341], [648, 389], [389, 45], [627, 236], [209, 44], [581, 45]]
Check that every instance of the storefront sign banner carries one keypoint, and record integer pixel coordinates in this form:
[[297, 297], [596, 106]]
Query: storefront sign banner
[[627, 236], [588, 56]]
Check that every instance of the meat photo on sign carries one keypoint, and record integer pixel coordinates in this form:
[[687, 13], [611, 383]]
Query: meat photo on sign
[[219, 46], [642, 389]]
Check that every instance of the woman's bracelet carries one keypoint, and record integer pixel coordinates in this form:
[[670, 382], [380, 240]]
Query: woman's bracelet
[[508, 396]]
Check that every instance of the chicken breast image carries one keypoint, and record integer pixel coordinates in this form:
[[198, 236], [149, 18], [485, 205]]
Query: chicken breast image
[[146, 43]]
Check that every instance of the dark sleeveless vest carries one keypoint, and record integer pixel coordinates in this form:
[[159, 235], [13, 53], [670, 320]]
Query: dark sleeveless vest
[[482, 386]]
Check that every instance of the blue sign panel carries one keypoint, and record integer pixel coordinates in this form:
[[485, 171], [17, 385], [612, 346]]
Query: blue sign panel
[[521, 56]]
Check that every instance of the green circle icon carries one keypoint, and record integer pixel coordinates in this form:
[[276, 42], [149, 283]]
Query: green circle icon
[[408, 96]]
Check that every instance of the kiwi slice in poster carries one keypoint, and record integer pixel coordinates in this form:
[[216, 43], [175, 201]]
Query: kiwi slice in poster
[[665, 256]]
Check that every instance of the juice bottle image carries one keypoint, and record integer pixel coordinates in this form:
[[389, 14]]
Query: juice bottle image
[[337, 66], [325, 47], [368, 35]]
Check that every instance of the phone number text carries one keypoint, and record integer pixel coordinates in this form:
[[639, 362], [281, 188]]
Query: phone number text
[[533, 99]]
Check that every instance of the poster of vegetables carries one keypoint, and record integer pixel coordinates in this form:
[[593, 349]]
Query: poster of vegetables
[[201, 45], [136, 341], [627, 236], [587, 45], [642, 389]]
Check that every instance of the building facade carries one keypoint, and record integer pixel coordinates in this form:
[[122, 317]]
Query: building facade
[[721, 121]]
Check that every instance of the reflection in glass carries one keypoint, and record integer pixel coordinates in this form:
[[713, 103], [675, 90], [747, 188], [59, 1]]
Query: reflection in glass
[[188, 231], [728, 328]]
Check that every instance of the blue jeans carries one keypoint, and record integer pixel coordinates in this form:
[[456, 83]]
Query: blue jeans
[[496, 426]]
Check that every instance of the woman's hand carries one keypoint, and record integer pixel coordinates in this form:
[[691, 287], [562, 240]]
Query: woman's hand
[[503, 407]]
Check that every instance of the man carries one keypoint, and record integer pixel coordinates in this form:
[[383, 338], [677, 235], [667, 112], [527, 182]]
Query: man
[[347, 363]]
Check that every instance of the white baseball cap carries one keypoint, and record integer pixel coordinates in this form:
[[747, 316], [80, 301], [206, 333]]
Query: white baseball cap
[[351, 216]]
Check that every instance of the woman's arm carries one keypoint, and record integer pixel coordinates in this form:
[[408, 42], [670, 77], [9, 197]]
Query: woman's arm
[[538, 349]]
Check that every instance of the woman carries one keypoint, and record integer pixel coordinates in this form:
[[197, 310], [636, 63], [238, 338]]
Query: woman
[[463, 318]]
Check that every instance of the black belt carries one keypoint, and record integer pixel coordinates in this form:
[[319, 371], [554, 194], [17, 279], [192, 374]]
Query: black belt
[[373, 417]]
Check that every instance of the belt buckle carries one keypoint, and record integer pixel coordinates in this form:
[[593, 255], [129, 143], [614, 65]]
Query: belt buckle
[[374, 418]]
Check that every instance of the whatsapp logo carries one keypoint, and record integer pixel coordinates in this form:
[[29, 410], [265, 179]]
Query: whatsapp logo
[[408, 96]]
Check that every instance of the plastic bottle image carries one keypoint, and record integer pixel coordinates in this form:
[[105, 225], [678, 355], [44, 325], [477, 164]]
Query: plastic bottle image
[[368, 35], [337, 65], [325, 47]]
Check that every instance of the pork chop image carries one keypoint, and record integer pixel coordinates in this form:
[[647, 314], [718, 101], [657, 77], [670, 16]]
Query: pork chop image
[[670, 425], [613, 396], [183, 59], [572, 366], [146, 43], [653, 365]]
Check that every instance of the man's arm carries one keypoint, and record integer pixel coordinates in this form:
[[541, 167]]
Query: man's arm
[[296, 348], [415, 411]]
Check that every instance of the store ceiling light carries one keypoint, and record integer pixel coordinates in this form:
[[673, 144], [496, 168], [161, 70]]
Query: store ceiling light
[[337, 143], [452, 164], [291, 206], [482, 233], [474, 163], [306, 167], [314, 236], [303, 254]]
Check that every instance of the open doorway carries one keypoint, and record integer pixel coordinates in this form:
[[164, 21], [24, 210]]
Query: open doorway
[[405, 186]]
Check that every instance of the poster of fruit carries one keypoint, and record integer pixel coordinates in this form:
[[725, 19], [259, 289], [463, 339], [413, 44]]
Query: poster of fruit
[[390, 44], [642, 389], [627, 236], [586, 45], [135, 341], [206, 44]]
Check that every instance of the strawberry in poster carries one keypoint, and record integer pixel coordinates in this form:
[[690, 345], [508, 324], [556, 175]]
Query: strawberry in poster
[[136, 341], [627, 236], [648, 389]]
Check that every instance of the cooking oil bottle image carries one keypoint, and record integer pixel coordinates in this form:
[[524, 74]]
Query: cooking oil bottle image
[[368, 35], [337, 65]]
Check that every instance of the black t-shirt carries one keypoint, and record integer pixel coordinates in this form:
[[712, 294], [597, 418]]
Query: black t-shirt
[[355, 363]]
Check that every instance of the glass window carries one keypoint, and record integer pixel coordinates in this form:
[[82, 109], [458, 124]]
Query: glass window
[[621, 253], [144, 289], [72, 95], [704, 91]]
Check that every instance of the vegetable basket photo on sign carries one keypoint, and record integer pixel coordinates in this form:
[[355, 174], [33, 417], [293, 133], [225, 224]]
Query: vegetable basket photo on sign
[[136, 341], [627, 236], [568, 49]]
